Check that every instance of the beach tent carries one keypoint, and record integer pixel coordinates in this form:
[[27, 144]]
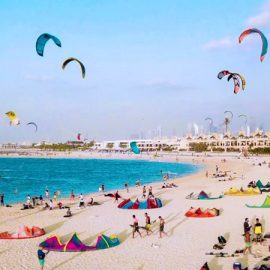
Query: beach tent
[[148, 204], [266, 203], [247, 192], [259, 184], [205, 267], [199, 213], [202, 196], [104, 241], [23, 232], [76, 245]]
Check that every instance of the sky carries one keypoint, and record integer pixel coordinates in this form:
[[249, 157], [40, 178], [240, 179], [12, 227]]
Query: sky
[[148, 64]]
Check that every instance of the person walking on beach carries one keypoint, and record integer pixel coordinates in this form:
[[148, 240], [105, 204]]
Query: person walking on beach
[[147, 224], [258, 231], [2, 197], [216, 169], [55, 196], [135, 227], [248, 243], [41, 257], [161, 227], [81, 201], [247, 227]]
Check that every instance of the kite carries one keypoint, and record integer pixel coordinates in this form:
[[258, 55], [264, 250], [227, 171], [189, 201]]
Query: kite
[[67, 61], [42, 40], [34, 124], [264, 40], [14, 120], [134, 148]]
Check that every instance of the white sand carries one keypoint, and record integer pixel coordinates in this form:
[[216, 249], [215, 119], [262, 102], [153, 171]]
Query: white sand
[[189, 239]]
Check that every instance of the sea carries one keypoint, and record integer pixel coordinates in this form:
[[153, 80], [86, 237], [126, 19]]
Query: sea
[[20, 177]]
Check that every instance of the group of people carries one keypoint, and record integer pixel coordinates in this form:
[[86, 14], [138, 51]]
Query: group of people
[[257, 229], [148, 226]]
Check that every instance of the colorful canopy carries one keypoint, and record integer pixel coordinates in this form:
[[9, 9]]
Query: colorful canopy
[[134, 148], [266, 203], [23, 232], [202, 196], [43, 39], [199, 213], [205, 267], [247, 192], [76, 245], [148, 204]]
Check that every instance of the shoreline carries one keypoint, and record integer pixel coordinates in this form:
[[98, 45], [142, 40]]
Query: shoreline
[[198, 168]]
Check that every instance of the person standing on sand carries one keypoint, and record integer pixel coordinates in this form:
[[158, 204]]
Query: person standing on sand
[[144, 192], [41, 257], [258, 231], [116, 196], [2, 196], [161, 227], [216, 169], [126, 187], [72, 195], [150, 192], [206, 174], [47, 194], [247, 227], [135, 227]]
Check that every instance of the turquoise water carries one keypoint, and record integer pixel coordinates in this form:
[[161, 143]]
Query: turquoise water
[[22, 176]]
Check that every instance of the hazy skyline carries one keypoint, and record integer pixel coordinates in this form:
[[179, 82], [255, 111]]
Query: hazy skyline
[[148, 64]]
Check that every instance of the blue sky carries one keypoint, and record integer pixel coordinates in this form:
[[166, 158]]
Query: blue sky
[[148, 63]]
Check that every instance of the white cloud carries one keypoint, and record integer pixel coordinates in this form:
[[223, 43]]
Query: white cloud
[[262, 19], [226, 42]]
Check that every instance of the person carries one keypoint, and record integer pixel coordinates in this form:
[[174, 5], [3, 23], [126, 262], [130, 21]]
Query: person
[[206, 174], [135, 227], [41, 257], [161, 227], [258, 231], [126, 186], [34, 200], [28, 200], [72, 195], [147, 224], [55, 196], [216, 169], [144, 192], [247, 227], [81, 201], [47, 194], [2, 196], [41, 199], [116, 196], [248, 243], [150, 193], [68, 214], [51, 205], [103, 188]]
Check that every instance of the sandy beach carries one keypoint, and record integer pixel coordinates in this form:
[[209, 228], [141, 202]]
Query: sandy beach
[[185, 247]]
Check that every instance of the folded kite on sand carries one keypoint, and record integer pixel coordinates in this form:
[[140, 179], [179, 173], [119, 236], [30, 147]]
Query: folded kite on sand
[[148, 204], [199, 213], [23, 232], [266, 203], [241, 192], [202, 196], [76, 245]]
